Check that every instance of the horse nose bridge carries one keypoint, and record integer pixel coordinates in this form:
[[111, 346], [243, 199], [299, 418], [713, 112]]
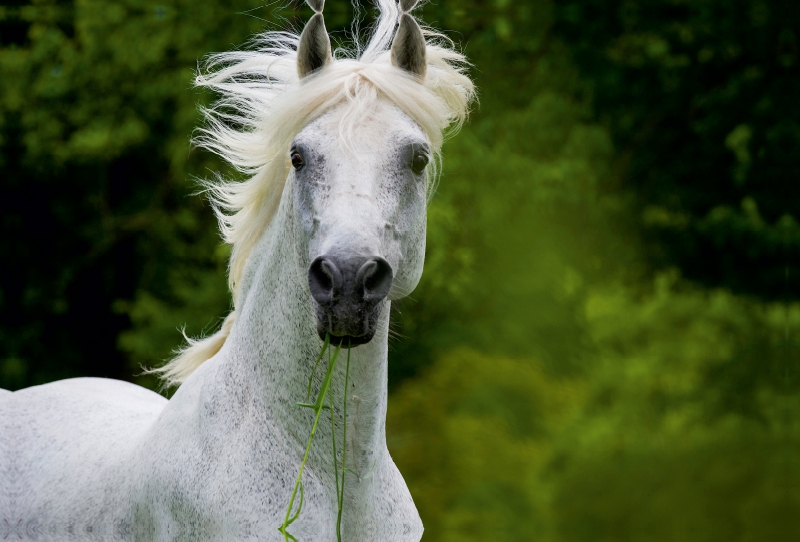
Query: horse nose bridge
[[352, 223]]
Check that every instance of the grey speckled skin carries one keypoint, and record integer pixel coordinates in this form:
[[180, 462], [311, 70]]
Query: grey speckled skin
[[95, 459]]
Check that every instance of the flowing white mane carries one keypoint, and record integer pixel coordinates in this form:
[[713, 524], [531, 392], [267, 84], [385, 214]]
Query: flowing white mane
[[264, 104]]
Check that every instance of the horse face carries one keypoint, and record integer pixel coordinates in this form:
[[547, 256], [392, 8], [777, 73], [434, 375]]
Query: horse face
[[360, 197]]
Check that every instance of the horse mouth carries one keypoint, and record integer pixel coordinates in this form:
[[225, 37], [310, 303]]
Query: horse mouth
[[346, 332], [347, 341]]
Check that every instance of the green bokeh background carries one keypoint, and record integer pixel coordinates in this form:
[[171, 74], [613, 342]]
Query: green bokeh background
[[604, 345]]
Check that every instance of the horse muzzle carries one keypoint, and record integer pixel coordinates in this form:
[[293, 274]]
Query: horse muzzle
[[349, 295]]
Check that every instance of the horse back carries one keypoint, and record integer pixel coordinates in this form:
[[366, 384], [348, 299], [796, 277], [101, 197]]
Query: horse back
[[65, 447]]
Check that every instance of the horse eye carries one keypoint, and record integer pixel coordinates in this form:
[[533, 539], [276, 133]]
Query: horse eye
[[419, 162], [297, 160]]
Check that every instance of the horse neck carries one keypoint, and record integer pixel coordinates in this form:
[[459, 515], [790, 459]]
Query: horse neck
[[271, 352]]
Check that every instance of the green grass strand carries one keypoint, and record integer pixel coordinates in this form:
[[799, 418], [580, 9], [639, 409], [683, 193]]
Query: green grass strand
[[316, 363], [317, 406], [344, 448]]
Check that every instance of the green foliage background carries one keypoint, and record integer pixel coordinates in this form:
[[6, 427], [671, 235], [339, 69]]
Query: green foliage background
[[604, 345]]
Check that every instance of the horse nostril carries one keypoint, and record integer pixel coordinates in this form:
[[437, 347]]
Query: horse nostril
[[323, 278], [376, 278]]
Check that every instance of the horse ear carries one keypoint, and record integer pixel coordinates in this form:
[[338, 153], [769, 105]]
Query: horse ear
[[408, 46], [314, 49]]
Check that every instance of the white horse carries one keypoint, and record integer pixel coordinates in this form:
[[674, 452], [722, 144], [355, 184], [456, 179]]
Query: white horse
[[328, 228]]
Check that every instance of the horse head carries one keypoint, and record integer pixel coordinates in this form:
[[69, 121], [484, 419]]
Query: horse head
[[356, 137], [360, 191]]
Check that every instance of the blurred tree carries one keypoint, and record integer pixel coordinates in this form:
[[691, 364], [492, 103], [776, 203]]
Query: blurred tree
[[660, 439], [689, 430], [700, 98]]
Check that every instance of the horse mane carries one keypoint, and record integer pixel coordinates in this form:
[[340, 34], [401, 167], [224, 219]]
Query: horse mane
[[263, 104]]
